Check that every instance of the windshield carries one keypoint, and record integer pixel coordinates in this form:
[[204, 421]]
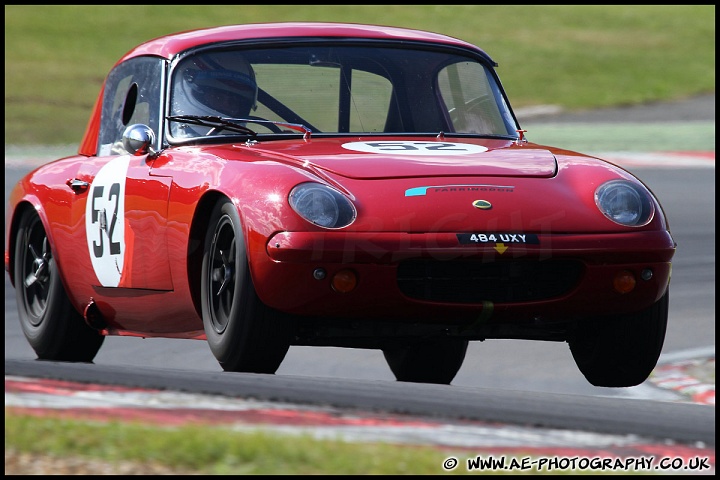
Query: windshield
[[339, 89]]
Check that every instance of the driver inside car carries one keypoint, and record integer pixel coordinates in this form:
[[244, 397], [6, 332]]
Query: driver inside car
[[218, 84]]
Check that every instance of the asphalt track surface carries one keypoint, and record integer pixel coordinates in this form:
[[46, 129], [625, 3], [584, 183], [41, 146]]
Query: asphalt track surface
[[697, 108], [545, 425]]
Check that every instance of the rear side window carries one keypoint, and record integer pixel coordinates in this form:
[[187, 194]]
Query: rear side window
[[132, 95]]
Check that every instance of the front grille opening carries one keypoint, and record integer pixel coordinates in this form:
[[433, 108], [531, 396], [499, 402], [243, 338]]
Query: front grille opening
[[470, 281]]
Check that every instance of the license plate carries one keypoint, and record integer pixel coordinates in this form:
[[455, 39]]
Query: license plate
[[506, 238]]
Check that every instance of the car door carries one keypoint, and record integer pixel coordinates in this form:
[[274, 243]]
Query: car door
[[124, 213], [124, 208]]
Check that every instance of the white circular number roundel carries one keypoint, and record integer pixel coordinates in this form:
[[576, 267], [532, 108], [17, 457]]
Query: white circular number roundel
[[105, 221], [415, 148]]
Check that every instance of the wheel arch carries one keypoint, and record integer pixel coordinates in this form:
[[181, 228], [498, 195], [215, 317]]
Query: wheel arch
[[21, 209], [198, 231]]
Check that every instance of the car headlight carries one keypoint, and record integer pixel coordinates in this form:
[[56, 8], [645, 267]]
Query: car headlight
[[322, 205], [625, 202]]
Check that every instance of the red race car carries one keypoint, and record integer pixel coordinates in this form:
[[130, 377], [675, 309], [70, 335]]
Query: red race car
[[266, 185]]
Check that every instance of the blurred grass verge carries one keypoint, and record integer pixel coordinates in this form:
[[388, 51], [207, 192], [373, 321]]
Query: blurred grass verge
[[216, 450], [573, 57]]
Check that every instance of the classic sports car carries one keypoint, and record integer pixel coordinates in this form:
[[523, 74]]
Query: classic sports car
[[267, 185]]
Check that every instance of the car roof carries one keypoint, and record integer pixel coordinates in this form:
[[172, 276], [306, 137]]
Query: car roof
[[170, 45]]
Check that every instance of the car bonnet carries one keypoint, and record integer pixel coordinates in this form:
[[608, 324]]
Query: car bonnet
[[414, 157]]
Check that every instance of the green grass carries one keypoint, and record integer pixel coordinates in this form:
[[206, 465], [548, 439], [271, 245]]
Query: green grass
[[222, 451], [577, 57]]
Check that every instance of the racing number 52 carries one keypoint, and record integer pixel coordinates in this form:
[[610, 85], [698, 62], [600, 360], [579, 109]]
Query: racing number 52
[[415, 146], [100, 216]]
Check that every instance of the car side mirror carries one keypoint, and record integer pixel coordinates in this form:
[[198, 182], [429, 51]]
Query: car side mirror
[[138, 140]]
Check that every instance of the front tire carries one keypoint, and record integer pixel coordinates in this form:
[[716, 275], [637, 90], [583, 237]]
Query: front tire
[[621, 351], [52, 326], [430, 361], [244, 334]]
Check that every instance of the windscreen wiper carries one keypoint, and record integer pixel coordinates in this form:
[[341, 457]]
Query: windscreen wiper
[[217, 124]]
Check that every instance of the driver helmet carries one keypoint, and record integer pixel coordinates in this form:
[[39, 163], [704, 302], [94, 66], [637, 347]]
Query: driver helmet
[[218, 84]]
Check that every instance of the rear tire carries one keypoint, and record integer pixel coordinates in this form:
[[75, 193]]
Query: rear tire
[[430, 361], [621, 351], [244, 334], [52, 326]]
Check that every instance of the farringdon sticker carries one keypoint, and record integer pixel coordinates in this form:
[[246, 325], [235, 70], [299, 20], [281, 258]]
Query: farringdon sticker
[[478, 188], [105, 221], [416, 148]]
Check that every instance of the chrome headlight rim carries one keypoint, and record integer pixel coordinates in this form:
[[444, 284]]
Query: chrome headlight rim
[[625, 203], [322, 205]]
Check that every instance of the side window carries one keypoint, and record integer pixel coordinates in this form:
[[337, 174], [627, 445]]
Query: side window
[[468, 95], [132, 95]]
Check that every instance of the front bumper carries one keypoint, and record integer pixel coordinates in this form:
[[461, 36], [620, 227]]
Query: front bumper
[[285, 276]]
